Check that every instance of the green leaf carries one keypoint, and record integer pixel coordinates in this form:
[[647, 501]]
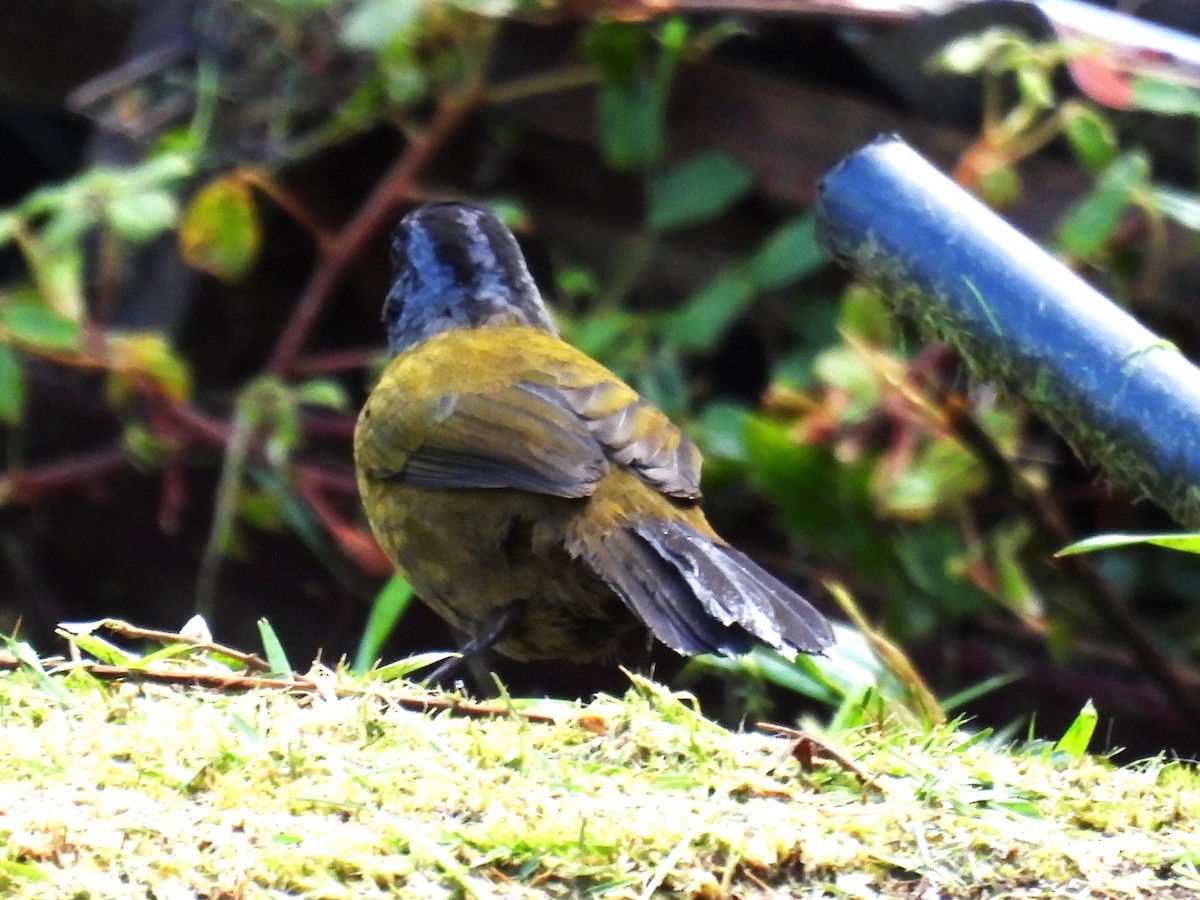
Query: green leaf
[[57, 269], [28, 659], [999, 187], [220, 233], [1167, 98], [1090, 223], [1035, 88], [966, 55], [703, 318], [696, 191], [630, 116], [942, 477], [631, 102], [390, 603], [1091, 135], [402, 668], [261, 508], [1075, 740], [372, 24], [789, 254], [615, 49], [142, 216], [276, 657], [139, 355], [39, 327], [1187, 543], [97, 647], [12, 386], [721, 431], [324, 392]]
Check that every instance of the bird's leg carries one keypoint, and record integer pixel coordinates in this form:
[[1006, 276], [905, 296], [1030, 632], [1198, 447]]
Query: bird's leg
[[495, 628]]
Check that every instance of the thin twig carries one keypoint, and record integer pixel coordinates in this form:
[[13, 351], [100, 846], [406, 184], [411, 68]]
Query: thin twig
[[805, 748], [30, 485], [251, 661], [225, 681]]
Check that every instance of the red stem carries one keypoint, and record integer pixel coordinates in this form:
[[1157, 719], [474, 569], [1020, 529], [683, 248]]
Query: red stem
[[395, 187]]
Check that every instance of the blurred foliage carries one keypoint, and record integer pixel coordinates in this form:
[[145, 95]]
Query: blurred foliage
[[851, 442]]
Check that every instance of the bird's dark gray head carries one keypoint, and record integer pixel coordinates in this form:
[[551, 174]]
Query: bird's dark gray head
[[457, 266]]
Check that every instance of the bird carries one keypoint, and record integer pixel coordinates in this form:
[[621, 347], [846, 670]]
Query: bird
[[529, 496]]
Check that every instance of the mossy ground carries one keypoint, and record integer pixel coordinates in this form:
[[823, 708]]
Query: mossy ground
[[123, 789]]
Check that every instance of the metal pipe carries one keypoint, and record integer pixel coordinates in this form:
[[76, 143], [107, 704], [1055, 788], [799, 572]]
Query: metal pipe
[[1124, 398]]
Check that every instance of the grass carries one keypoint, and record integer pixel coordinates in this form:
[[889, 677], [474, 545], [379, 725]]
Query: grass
[[123, 788]]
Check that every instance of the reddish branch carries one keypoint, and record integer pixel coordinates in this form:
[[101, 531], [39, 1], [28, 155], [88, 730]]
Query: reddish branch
[[30, 485], [398, 185]]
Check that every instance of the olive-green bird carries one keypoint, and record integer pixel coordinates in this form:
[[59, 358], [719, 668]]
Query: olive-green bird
[[529, 496]]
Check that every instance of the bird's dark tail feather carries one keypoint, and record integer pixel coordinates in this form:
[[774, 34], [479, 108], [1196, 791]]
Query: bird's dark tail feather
[[701, 597]]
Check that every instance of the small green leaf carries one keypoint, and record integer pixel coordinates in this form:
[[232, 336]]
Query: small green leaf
[[100, 649], [1187, 543], [143, 445], [1091, 135], [696, 191], [140, 217], [390, 603], [789, 254], [39, 327], [28, 659], [276, 657], [402, 668], [1090, 223], [220, 233], [999, 187], [372, 24], [12, 386], [703, 318], [965, 56], [1035, 87], [630, 116], [324, 392], [721, 431], [57, 269], [139, 355], [262, 509], [1167, 98], [631, 101], [1075, 740]]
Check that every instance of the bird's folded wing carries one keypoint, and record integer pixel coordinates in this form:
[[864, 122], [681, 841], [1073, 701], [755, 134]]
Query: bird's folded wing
[[549, 438], [637, 435], [522, 436]]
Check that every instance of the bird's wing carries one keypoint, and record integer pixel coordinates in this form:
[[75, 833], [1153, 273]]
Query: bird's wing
[[544, 432], [521, 436], [636, 435]]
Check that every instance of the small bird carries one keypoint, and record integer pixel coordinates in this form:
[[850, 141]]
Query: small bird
[[529, 496]]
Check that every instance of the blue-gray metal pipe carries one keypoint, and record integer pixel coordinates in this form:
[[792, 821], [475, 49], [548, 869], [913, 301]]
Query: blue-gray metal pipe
[[1122, 397]]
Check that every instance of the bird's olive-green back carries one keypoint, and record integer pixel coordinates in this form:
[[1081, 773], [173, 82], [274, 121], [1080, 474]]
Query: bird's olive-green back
[[513, 406]]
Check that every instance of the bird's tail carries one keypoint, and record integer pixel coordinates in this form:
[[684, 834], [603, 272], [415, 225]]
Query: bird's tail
[[698, 596]]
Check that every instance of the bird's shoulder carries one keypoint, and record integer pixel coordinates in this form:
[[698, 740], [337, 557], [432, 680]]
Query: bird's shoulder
[[479, 360]]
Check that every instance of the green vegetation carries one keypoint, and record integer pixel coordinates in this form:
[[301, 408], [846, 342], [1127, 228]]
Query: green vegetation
[[329, 785], [867, 454]]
